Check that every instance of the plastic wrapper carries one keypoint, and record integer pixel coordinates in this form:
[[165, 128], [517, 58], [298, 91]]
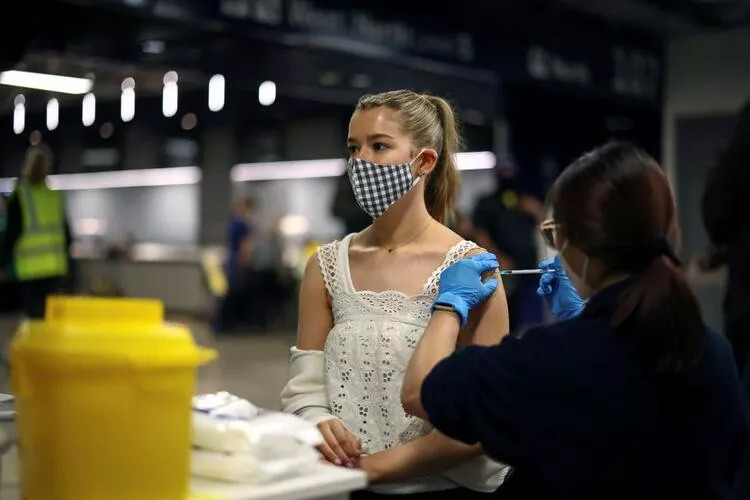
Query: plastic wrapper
[[246, 468], [233, 440], [225, 405], [269, 431]]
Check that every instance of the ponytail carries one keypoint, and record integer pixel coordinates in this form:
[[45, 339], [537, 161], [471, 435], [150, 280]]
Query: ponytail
[[615, 204], [444, 181], [661, 314]]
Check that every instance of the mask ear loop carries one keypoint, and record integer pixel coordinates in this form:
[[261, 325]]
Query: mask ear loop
[[420, 174]]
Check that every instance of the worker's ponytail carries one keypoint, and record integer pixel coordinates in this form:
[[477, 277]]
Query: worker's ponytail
[[616, 206]]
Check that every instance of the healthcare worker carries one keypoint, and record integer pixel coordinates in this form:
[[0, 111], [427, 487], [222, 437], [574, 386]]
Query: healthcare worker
[[37, 236], [631, 397]]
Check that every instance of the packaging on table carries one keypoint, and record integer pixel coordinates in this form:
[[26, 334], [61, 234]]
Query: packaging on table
[[234, 440]]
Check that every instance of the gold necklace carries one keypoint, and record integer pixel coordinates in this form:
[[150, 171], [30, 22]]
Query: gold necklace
[[420, 233]]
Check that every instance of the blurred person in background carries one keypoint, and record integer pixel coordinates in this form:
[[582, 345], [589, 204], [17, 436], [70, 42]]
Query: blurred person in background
[[505, 224], [629, 395], [365, 301], [37, 236], [232, 310], [9, 300], [240, 233], [8, 271], [727, 219]]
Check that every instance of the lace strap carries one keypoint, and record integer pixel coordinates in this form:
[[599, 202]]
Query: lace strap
[[455, 254], [327, 260]]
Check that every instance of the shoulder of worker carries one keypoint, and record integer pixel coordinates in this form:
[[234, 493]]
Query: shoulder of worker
[[717, 349]]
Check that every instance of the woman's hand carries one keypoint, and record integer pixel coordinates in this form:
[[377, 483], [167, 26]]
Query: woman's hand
[[461, 285], [341, 447]]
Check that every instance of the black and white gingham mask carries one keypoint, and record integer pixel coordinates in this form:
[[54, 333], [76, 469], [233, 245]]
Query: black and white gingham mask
[[377, 187]]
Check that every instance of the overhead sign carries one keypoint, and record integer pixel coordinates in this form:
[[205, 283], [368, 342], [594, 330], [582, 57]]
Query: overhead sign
[[353, 23]]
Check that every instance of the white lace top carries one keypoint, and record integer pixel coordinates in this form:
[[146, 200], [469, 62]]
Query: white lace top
[[367, 352]]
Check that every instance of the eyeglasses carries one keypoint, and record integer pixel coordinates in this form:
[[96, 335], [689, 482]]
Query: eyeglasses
[[547, 229]]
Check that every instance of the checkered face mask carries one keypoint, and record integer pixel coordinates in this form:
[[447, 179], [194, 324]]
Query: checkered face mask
[[377, 187]]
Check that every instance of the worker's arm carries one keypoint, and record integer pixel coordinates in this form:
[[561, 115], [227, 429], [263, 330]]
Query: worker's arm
[[479, 307], [437, 343], [436, 452], [724, 207], [429, 454], [12, 231]]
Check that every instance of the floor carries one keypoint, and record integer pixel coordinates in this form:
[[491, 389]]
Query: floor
[[249, 365]]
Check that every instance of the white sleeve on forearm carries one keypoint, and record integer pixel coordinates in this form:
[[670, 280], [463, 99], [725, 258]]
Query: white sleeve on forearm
[[305, 393]]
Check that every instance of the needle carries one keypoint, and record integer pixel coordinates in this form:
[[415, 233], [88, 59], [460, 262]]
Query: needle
[[525, 271]]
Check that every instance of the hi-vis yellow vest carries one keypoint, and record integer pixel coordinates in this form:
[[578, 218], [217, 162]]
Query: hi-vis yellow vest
[[40, 251]]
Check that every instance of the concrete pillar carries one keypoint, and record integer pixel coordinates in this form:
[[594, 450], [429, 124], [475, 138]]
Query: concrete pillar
[[219, 155]]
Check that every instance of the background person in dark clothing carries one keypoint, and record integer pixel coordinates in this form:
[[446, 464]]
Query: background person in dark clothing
[[726, 214], [240, 236], [37, 236], [632, 398], [233, 308], [505, 223]]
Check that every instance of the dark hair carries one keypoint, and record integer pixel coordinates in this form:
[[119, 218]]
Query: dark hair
[[615, 204]]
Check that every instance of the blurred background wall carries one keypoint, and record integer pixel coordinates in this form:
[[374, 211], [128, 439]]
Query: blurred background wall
[[534, 83]]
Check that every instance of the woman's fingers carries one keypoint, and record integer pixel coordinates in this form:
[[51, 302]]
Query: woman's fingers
[[329, 454], [348, 442], [341, 456]]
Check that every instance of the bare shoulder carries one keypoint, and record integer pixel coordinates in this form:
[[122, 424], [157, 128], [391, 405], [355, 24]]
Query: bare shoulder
[[446, 236], [450, 239], [315, 318]]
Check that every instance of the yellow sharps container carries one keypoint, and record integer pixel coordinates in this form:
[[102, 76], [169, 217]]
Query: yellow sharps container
[[103, 391]]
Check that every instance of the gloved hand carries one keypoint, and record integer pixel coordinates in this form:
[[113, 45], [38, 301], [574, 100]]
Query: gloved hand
[[558, 291], [461, 285]]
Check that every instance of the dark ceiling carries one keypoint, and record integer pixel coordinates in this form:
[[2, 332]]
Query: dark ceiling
[[106, 37]]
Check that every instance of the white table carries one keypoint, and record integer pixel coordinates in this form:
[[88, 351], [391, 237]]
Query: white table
[[329, 482]]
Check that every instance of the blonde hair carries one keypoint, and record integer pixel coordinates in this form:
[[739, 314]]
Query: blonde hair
[[37, 164], [431, 123]]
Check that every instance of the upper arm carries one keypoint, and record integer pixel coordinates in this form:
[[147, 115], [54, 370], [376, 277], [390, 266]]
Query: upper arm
[[315, 318], [487, 395], [488, 323]]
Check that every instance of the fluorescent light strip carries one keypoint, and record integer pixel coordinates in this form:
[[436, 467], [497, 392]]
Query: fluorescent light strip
[[278, 170], [53, 114], [44, 81], [476, 160], [309, 169], [176, 176], [216, 93]]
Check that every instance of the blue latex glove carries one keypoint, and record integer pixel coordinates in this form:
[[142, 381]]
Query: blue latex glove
[[558, 291], [461, 285]]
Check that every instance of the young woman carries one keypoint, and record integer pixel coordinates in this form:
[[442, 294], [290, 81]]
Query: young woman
[[366, 300]]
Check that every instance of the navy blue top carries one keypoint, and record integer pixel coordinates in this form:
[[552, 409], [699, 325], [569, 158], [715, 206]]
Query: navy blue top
[[239, 229], [570, 408]]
